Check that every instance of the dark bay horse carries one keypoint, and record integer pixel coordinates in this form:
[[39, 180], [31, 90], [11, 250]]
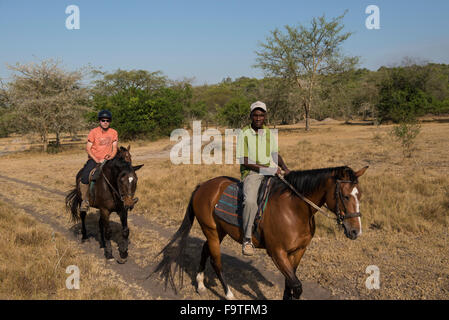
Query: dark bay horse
[[286, 228], [114, 192]]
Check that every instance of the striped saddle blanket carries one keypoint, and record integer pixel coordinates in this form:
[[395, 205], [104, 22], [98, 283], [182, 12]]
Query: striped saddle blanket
[[230, 206]]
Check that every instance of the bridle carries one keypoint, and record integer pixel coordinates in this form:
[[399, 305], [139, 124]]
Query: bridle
[[340, 216], [117, 193]]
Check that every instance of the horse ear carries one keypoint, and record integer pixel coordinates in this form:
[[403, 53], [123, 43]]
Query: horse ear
[[129, 147], [361, 172], [137, 167]]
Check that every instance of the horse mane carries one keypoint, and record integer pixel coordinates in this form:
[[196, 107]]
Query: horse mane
[[307, 182], [120, 163]]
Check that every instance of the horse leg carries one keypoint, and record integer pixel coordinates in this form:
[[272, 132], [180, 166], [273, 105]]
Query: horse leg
[[101, 227], [213, 241], [292, 283], [287, 292], [83, 226], [107, 234], [294, 259], [123, 248], [205, 253]]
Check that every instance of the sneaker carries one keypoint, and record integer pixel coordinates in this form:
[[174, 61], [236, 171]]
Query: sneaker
[[248, 248]]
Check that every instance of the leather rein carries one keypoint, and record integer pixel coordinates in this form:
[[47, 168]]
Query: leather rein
[[113, 189], [340, 217]]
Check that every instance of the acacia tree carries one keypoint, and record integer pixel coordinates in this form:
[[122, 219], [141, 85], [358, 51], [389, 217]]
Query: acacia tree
[[47, 99], [276, 93], [301, 54]]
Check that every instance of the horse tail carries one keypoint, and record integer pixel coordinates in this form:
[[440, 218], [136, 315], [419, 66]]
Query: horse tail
[[173, 251], [72, 202]]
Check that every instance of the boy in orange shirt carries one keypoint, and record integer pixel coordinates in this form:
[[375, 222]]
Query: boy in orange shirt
[[101, 145]]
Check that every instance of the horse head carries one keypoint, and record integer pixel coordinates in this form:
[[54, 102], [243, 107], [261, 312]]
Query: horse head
[[127, 185], [125, 176], [344, 200]]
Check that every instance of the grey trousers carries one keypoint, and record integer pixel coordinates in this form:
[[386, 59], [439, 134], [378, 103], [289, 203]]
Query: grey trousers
[[251, 185]]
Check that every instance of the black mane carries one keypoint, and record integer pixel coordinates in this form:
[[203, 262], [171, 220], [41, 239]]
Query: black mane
[[308, 181], [120, 163]]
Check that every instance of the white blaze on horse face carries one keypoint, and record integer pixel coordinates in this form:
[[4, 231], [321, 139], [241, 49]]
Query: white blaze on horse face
[[130, 179], [354, 193]]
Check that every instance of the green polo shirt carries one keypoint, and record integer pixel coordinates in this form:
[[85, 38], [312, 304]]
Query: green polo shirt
[[256, 147]]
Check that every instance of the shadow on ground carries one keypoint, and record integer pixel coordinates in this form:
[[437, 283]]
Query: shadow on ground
[[93, 231], [247, 277]]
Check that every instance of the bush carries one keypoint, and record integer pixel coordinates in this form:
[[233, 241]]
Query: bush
[[9, 123], [402, 96], [406, 133], [140, 113], [235, 113]]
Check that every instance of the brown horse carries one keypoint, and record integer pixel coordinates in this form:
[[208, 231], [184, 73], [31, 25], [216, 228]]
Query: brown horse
[[114, 192], [286, 228]]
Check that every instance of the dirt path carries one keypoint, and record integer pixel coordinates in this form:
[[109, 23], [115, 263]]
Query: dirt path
[[135, 274]]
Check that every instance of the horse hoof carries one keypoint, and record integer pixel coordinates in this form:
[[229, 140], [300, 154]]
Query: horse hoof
[[122, 260], [230, 297], [109, 257], [201, 291]]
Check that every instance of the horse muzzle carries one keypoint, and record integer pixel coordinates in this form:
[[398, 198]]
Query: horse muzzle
[[350, 232], [129, 203]]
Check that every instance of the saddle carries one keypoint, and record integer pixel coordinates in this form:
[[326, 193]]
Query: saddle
[[93, 176], [229, 207]]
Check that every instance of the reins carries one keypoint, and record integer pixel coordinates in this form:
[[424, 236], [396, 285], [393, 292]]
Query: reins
[[113, 189], [340, 218], [304, 198]]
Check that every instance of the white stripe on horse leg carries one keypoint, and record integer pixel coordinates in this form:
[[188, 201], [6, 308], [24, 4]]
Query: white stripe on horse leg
[[200, 281], [229, 294]]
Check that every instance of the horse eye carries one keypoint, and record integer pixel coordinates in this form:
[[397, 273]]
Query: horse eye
[[347, 197]]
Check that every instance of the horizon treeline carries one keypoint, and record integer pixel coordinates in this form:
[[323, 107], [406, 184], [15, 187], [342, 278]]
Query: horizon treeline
[[43, 98]]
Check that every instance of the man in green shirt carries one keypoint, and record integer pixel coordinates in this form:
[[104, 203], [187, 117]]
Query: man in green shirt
[[258, 153]]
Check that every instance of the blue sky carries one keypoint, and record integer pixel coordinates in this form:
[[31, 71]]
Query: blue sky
[[208, 40]]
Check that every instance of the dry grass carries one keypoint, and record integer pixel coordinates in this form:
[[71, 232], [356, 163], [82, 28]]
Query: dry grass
[[405, 206], [34, 261]]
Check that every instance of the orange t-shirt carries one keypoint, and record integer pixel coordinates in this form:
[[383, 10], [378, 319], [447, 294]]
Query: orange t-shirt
[[102, 141]]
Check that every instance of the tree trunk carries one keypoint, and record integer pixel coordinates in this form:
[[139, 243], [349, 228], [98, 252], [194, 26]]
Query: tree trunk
[[45, 143], [44, 136], [58, 140], [307, 115], [308, 105]]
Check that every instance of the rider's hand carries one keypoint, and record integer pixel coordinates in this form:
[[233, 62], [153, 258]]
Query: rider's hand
[[278, 171], [107, 157]]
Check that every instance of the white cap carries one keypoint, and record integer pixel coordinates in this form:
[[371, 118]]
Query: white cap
[[260, 105]]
